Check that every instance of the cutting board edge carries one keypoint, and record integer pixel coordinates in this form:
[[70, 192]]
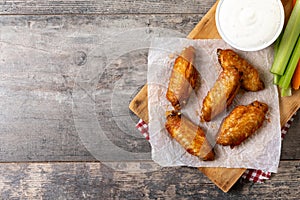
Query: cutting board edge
[[234, 178]]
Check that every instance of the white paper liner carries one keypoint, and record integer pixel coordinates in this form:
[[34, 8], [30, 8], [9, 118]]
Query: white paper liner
[[260, 151]]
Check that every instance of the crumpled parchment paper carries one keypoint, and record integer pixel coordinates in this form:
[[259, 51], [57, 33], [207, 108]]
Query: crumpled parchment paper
[[260, 151]]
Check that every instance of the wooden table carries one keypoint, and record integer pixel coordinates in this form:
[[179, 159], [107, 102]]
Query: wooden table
[[68, 72]]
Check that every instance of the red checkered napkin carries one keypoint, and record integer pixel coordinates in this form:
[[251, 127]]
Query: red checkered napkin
[[143, 128], [254, 175]]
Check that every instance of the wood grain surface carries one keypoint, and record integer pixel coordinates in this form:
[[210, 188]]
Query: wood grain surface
[[41, 57], [92, 180], [45, 46], [108, 7]]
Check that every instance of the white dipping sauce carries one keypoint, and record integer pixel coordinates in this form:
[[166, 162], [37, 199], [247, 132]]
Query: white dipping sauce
[[250, 24]]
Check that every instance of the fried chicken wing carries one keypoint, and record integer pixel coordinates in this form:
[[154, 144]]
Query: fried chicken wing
[[221, 94], [183, 78], [250, 80], [241, 123], [189, 135]]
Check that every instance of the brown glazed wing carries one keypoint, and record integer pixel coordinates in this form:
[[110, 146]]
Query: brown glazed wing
[[221, 94], [183, 78], [189, 135], [241, 123], [250, 79]]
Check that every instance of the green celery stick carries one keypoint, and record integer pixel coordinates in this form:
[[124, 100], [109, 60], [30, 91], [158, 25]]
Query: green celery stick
[[287, 42], [285, 80], [286, 92], [276, 79]]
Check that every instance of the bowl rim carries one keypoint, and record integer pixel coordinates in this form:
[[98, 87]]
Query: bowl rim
[[258, 47]]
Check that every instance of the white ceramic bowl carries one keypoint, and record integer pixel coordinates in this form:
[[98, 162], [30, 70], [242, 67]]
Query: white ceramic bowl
[[249, 25]]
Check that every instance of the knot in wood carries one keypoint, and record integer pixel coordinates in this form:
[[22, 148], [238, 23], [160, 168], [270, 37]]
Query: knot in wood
[[80, 58]]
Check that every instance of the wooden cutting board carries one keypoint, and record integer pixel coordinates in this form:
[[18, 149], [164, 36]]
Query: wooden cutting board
[[224, 178]]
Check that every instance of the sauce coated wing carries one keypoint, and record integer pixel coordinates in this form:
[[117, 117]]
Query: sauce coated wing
[[221, 94], [250, 80], [241, 123], [183, 80], [190, 136]]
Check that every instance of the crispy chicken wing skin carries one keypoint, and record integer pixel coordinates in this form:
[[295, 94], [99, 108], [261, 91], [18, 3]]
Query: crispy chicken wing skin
[[221, 94], [189, 135], [183, 78], [250, 80], [241, 123]]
